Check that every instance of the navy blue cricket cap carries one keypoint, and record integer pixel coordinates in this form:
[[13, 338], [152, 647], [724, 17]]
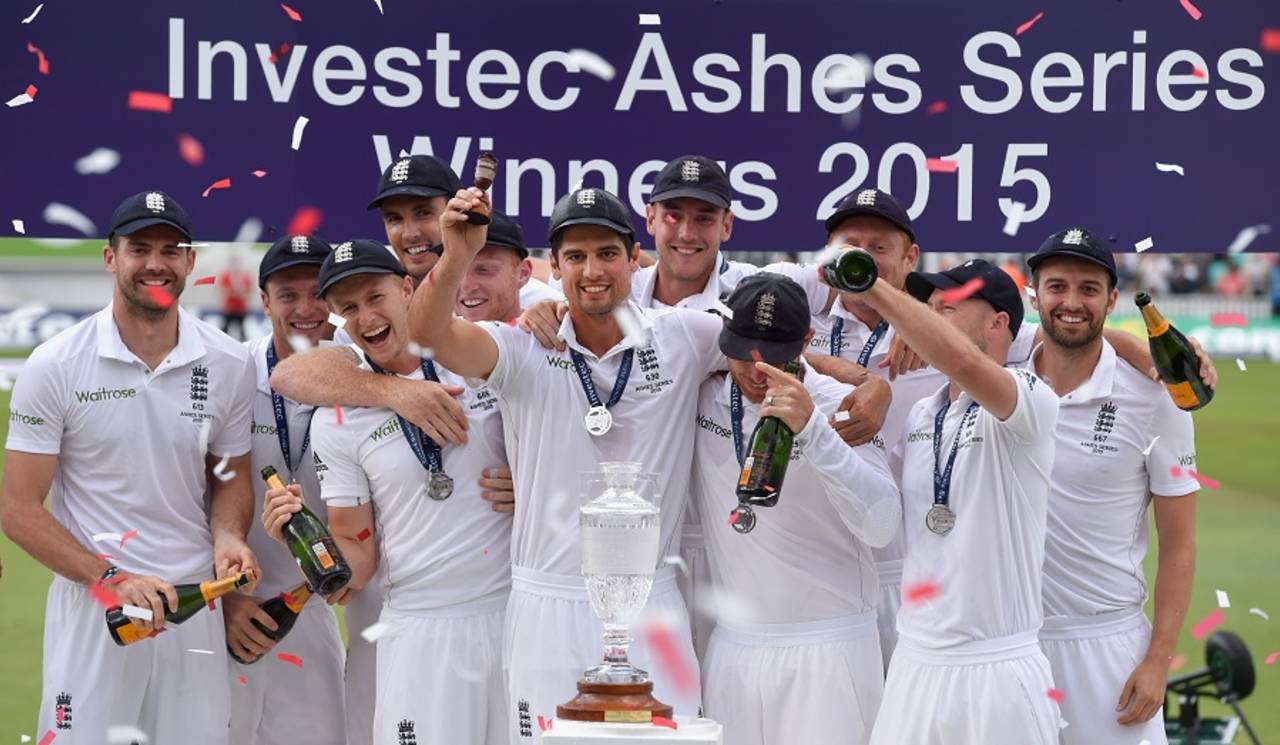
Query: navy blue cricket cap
[[998, 288], [290, 251], [416, 176], [147, 208], [692, 176], [770, 318], [875, 203], [592, 207], [360, 256], [1076, 243], [505, 232]]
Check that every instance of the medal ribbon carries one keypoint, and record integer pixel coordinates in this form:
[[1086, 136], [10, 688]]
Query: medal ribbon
[[282, 420], [425, 448], [589, 386], [735, 416], [942, 481], [837, 339]]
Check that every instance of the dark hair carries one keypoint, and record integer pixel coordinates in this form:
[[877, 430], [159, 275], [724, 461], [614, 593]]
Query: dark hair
[[558, 237], [1035, 276]]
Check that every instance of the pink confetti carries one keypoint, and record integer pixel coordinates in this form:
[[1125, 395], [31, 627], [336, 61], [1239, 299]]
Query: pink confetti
[[1229, 319], [957, 294], [292, 659], [733, 517], [1056, 695], [1271, 658], [941, 165], [281, 51], [486, 552], [206, 280], [244, 681], [305, 221], [190, 150], [288, 598], [662, 643], [1197, 72], [31, 90], [1270, 41], [259, 174], [1175, 471], [1207, 624], [756, 356], [1177, 662], [219, 184], [148, 101], [364, 535], [42, 62], [664, 722], [106, 557], [542, 724], [1191, 9], [295, 15], [937, 107], [48, 738], [133, 533], [1023, 28], [920, 592], [337, 415], [1205, 481], [160, 297], [103, 596]]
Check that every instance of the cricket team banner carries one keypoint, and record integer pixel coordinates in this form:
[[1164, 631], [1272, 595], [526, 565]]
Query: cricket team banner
[[995, 123]]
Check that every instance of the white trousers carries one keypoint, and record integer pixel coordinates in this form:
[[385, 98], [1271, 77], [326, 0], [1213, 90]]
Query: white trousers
[[361, 679], [993, 692], [551, 636], [274, 701], [696, 585], [1091, 659], [440, 676], [156, 685], [890, 573], [783, 684]]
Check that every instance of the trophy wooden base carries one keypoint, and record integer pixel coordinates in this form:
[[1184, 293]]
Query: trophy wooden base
[[613, 702]]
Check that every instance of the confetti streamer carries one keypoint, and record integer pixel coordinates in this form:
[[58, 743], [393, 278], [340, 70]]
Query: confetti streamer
[[1057, 695], [1270, 41], [1228, 319], [128, 536], [379, 4], [305, 221], [937, 107], [920, 592], [363, 535], [957, 294], [584, 60], [126, 734], [1223, 600], [941, 165], [150, 101], [664, 722], [205, 281], [677, 561], [375, 632], [29, 19], [1144, 244], [1169, 168], [1207, 624], [1205, 481], [1148, 452], [259, 174], [107, 537], [337, 415], [1271, 658], [293, 14], [200, 651], [1014, 219], [650, 19], [1260, 612], [221, 471], [298, 126], [47, 737], [160, 297], [1191, 9], [19, 227], [190, 150], [205, 426], [336, 320], [133, 611], [1024, 27], [219, 184], [22, 99], [101, 160], [292, 659], [1246, 236], [42, 62]]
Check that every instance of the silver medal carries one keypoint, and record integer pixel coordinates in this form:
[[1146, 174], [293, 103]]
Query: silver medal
[[940, 519], [598, 421], [439, 486]]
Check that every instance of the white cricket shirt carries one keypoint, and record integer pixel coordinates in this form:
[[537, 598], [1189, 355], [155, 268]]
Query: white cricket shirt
[[724, 279], [128, 439], [807, 558], [1108, 464], [989, 568]]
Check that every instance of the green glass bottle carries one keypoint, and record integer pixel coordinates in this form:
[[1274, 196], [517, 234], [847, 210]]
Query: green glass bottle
[[765, 467], [192, 598], [853, 270], [1175, 359], [312, 546], [283, 609]]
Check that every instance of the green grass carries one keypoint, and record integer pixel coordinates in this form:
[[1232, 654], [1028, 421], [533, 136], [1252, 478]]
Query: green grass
[[28, 248], [1236, 435]]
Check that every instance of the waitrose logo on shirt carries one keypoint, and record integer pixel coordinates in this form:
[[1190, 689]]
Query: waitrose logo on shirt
[[105, 394]]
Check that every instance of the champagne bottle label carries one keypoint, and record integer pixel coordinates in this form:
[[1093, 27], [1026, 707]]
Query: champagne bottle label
[[745, 477], [131, 632], [322, 555], [1182, 394]]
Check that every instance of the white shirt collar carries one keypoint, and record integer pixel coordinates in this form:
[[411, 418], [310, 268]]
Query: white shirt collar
[[707, 298], [1101, 381], [638, 337], [111, 345]]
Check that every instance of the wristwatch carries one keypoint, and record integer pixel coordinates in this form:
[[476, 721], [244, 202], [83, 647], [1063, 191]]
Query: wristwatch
[[112, 571]]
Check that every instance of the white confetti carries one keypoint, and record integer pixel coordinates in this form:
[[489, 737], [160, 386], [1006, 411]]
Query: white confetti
[[723, 310], [25, 738], [1169, 168], [249, 231], [299, 343], [6, 382], [221, 471], [426, 353], [1014, 218], [200, 651], [841, 416], [116, 537], [193, 245], [1144, 244], [60, 214], [1062, 723], [1031, 291], [375, 632], [133, 611], [1260, 612], [677, 561], [1153, 444], [629, 323], [379, 4], [650, 19], [1240, 364], [590, 62], [299, 125], [1223, 600], [19, 227], [1246, 236], [29, 19], [21, 99], [337, 321], [124, 734], [101, 160]]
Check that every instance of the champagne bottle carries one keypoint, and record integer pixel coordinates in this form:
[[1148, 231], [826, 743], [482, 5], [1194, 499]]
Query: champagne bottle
[[191, 599], [1175, 359], [283, 609], [769, 453], [312, 546], [853, 270]]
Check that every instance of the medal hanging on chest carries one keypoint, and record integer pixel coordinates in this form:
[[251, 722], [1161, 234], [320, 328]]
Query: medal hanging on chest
[[599, 420]]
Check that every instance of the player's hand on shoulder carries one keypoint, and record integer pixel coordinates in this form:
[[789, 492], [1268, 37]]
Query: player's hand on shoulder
[[148, 593], [278, 506], [498, 489], [863, 412], [542, 319], [845, 371], [901, 359], [244, 639], [433, 407]]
